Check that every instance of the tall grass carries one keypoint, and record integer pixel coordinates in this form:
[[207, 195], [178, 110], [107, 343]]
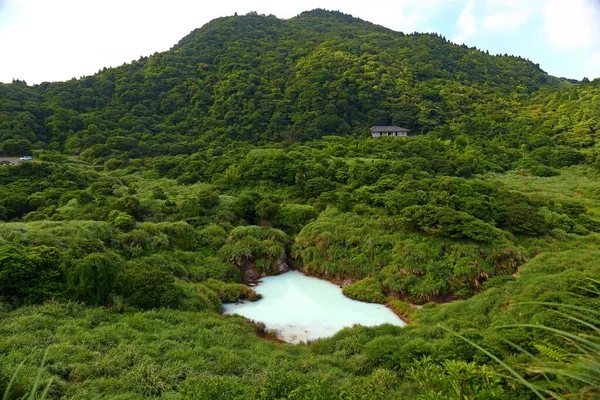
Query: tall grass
[[567, 367], [9, 392]]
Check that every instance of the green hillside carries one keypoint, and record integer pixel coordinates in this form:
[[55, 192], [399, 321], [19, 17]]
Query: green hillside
[[159, 188], [259, 79]]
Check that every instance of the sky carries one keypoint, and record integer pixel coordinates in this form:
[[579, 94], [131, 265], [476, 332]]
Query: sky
[[56, 40]]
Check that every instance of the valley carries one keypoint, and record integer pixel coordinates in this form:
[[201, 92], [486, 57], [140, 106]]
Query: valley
[[161, 188]]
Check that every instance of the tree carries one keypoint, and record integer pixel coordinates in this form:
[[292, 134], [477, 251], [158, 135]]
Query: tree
[[16, 147]]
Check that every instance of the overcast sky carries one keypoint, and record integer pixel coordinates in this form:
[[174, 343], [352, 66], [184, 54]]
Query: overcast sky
[[54, 40]]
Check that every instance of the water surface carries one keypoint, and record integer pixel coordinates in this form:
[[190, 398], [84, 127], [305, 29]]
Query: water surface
[[302, 308]]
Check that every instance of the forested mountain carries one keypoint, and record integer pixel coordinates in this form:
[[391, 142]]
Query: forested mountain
[[260, 78], [160, 187]]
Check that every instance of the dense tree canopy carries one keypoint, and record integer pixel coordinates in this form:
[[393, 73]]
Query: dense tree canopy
[[157, 188]]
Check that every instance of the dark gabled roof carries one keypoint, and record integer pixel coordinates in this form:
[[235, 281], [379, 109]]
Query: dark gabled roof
[[388, 129]]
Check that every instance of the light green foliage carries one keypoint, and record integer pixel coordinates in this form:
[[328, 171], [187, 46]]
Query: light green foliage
[[193, 297], [248, 142], [455, 380], [121, 220], [407, 264], [406, 310], [199, 353], [212, 236], [263, 247], [231, 292], [367, 289]]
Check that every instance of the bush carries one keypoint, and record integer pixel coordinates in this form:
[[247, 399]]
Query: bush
[[406, 310], [231, 292], [368, 289], [212, 236], [198, 297], [148, 287], [294, 216], [91, 278], [445, 221], [544, 171], [121, 220], [32, 274]]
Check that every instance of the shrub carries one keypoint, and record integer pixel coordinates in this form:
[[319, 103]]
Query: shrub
[[231, 292], [121, 220], [32, 274], [367, 289], [212, 236], [406, 310], [294, 216], [147, 287], [445, 221], [544, 171], [91, 278], [198, 297]]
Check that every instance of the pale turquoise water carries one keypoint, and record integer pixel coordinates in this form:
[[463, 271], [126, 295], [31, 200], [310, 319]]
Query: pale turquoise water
[[302, 308]]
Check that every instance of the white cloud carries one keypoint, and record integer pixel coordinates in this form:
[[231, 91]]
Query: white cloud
[[467, 23], [497, 16], [60, 39], [405, 16], [506, 16], [572, 24], [43, 40]]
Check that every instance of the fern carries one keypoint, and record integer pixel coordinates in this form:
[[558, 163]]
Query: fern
[[550, 352]]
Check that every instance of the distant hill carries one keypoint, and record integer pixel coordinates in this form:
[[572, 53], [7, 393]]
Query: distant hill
[[259, 78]]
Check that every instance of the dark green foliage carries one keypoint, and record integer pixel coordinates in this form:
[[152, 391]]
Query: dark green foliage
[[292, 217], [16, 147], [444, 221], [393, 352], [542, 170], [14, 206], [91, 279], [245, 205], [519, 215], [129, 205], [166, 182], [146, 286], [31, 274], [257, 78]]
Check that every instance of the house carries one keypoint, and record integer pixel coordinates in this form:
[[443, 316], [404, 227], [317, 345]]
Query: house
[[396, 131]]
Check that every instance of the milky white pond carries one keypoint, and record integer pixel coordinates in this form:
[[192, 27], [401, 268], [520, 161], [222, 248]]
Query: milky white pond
[[302, 308]]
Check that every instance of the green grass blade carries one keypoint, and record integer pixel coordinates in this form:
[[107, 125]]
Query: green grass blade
[[37, 378], [514, 373], [12, 381]]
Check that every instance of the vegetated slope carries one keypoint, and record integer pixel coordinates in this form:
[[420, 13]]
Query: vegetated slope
[[236, 148], [260, 78]]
